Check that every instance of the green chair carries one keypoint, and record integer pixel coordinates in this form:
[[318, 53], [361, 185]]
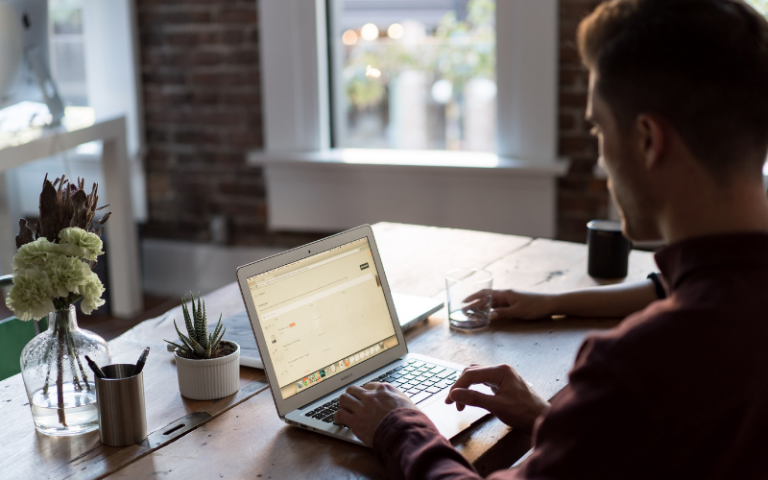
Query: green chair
[[14, 335]]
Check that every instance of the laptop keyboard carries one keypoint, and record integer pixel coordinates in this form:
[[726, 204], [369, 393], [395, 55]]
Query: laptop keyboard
[[419, 380]]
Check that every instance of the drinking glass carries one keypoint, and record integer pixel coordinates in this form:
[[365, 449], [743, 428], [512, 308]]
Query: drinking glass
[[469, 297]]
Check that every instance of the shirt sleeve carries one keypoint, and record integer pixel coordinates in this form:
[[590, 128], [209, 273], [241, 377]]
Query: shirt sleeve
[[411, 448], [594, 430]]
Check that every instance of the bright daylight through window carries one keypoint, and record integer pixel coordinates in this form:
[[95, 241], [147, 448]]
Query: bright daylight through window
[[67, 51], [414, 74], [760, 5]]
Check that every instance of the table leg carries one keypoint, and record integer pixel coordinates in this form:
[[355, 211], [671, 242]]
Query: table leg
[[10, 212], [125, 291]]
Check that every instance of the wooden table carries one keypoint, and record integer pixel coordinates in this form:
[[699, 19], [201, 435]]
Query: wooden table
[[244, 438]]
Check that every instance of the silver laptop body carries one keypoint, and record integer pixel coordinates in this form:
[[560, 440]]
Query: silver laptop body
[[324, 319]]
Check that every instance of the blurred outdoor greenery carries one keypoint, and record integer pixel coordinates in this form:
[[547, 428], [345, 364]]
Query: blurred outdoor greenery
[[457, 51], [66, 16], [759, 5]]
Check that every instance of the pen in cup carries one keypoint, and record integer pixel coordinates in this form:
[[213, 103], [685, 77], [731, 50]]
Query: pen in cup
[[96, 370], [142, 360]]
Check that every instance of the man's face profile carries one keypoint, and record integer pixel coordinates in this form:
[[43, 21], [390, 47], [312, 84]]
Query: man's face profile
[[627, 181]]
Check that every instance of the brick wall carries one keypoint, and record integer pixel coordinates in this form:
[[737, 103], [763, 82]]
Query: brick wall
[[581, 197], [200, 68]]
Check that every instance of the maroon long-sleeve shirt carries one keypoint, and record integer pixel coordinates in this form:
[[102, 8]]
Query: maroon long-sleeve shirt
[[678, 390]]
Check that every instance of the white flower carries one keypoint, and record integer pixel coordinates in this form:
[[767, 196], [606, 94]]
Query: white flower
[[91, 292], [35, 254], [89, 243], [67, 274], [29, 298]]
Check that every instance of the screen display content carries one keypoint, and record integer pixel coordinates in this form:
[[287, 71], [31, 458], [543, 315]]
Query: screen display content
[[322, 315]]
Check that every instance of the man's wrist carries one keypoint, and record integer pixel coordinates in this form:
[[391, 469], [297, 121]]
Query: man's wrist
[[535, 413], [394, 425], [553, 303]]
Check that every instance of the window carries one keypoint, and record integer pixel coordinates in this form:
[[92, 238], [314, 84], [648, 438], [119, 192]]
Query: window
[[416, 74], [67, 52], [759, 5], [508, 189], [92, 61]]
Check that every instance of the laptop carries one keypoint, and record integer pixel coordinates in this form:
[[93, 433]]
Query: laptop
[[324, 319], [411, 310]]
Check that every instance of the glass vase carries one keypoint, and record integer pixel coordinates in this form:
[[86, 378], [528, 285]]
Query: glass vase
[[60, 386]]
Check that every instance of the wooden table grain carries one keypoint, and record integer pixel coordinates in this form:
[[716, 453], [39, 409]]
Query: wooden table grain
[[246, 439]]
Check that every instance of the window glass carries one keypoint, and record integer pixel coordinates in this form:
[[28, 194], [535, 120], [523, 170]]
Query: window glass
[[413, 74], [759, 5], [67, 54]]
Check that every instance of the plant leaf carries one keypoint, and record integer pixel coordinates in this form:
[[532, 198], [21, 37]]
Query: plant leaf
[[48, 211], [186, 353], [204, 331], [184, 339], [25, 235], [187, 318], [199, 350], [201, 332], [218, 340], [194, 332], [180, 347], [218, 328], [79, 210]]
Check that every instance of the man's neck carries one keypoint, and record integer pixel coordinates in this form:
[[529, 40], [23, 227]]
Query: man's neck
[[740, 207]]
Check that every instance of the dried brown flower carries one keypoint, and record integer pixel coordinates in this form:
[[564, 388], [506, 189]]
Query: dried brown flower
[[62, 205]]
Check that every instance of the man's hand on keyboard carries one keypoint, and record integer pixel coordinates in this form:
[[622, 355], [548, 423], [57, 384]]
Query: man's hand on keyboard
[[363, 409], [513, 402]]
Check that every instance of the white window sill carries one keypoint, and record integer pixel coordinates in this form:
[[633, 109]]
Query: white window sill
[[328, 191], [415, 159]]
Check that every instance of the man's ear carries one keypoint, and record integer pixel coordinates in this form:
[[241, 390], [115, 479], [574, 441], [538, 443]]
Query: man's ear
[[651, 140]]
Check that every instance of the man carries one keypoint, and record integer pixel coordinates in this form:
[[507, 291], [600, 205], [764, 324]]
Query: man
[[679, 100]]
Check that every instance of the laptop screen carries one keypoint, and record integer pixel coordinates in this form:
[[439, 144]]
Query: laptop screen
[[322, 315]]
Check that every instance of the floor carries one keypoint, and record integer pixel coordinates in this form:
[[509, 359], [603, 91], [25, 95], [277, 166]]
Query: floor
[[109, 327]]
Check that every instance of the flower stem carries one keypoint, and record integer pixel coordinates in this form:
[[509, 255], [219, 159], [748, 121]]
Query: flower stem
[[72, 358], [48, 362], [60, 378]]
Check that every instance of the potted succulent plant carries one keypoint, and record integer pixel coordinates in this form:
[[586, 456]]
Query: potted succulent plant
[[207, 366]]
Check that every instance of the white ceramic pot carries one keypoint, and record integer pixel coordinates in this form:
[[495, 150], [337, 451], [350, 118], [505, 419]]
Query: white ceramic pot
[[209, 379]]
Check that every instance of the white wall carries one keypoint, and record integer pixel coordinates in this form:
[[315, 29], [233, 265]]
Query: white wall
[[176, 268]]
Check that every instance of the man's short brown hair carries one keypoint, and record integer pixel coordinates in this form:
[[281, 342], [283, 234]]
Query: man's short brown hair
[[702, 65]]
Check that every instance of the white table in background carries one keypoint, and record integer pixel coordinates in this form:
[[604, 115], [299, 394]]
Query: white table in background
[[18, 148]]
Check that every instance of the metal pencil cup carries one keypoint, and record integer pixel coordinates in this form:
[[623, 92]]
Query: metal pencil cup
[[122, 415]]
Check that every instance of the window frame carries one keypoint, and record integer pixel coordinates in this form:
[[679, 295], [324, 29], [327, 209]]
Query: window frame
[[296, 82], [309, 183]]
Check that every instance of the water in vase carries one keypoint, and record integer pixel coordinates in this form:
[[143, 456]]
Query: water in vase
[[79, 412]]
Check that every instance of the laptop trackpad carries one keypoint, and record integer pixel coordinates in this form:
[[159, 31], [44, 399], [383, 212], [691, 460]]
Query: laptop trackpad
[[449, 421]]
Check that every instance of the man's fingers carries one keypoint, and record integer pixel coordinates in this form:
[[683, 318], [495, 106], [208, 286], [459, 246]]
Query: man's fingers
[[484, 296], [504, 313], [344, 417], [476, 375], [464, 396], [371, 385], [478, 295], [350, 403], [479, 304], [356, 391]]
